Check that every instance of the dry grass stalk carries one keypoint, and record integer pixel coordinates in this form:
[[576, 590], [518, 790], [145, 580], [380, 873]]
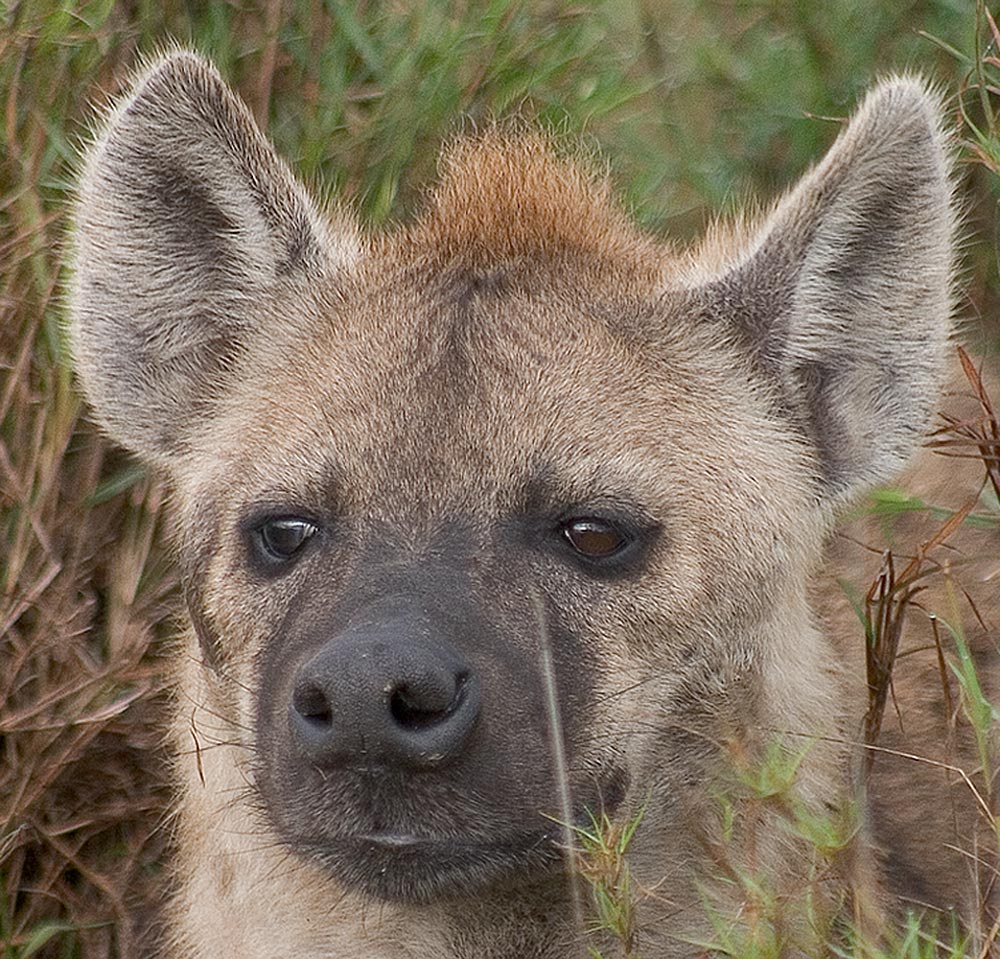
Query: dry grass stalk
[[83, 597], [891, 595]]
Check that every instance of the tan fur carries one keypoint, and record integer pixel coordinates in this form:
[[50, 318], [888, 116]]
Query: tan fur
[[520, 332]]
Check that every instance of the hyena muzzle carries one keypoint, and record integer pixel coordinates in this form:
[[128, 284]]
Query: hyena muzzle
[[498, 520]]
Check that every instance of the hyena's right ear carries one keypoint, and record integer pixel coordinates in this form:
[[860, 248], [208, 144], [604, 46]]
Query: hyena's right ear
[[186, 223]]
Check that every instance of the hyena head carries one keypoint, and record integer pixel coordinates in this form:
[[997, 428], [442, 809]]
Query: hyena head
[[505, 516]]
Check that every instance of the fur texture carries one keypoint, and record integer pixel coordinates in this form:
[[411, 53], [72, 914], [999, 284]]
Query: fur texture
[[444, 414]]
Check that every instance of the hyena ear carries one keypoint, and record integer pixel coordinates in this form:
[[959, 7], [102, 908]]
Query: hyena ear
[[186, 224], [844, 296]]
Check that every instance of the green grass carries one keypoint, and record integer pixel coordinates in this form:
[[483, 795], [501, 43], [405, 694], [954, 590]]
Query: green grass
[[602, 862], [695, 105]]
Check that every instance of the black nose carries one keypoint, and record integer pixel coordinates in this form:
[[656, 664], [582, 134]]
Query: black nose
[[384, 694]]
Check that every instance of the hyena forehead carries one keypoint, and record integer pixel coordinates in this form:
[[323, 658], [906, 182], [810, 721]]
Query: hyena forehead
[[522, 312], [519, 259], [834, 310]]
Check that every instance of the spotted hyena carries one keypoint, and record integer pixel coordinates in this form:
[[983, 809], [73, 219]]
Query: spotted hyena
[[502, 519]]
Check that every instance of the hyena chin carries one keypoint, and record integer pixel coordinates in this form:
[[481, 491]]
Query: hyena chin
[[501, 520]]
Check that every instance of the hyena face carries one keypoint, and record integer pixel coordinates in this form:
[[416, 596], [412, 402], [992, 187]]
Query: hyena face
[[500, 518], [401, 569]]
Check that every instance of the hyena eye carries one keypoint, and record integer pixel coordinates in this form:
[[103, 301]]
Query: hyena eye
[[281, 538], [594, 538]]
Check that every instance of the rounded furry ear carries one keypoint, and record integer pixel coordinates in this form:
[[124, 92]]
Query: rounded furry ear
[[844, 296], [186, 223]]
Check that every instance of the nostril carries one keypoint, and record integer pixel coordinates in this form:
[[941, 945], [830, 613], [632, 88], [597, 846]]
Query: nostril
[[417, 708], [409, 715], [312, 704]]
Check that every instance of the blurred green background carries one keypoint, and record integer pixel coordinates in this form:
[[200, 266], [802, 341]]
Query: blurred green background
[[697, 107]]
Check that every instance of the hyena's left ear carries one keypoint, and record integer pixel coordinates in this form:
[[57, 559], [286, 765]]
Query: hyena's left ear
[[188, 226], [844, 296]]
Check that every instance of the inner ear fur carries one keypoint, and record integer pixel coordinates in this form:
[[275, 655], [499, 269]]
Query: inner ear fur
[[186, 221], [844, 296]]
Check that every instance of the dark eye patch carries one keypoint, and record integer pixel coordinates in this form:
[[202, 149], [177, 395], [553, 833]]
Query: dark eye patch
[[601, 527]]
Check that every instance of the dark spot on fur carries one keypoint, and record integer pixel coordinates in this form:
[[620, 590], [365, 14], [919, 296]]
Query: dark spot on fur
[[755, 302], [464, 292], [301, 248], [885, 214], [195, 227], [202, 547]]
